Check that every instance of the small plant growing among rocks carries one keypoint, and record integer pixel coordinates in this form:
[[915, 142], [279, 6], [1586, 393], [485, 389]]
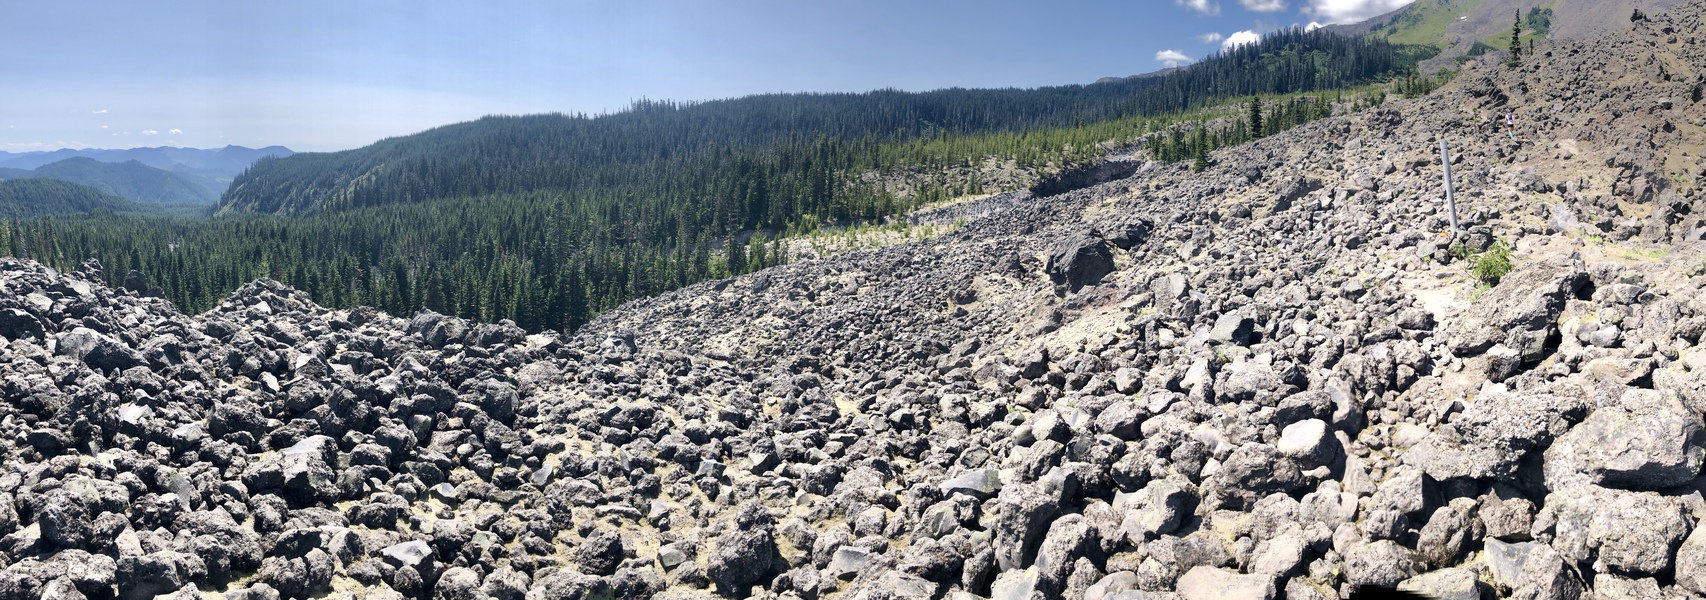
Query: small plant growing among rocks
[[1488, 266], [1493, 264]]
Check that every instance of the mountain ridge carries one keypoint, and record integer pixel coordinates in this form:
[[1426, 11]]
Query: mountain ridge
[[217, 163], [29, 198], [131, 180]]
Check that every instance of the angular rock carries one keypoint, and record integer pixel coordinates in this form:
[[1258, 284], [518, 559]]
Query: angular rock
[[1079, 261], [1653, 445], [1630, 533], [1382, 564], [1445, 584], [1494, 434], [1252, 471], [1209, 583], [1520, 311], [1020, 524], [1309, 442], [980, 483]]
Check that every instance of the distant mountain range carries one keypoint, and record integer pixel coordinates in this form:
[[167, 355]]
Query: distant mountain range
[[130, 180], [220, 164], [164, 175]]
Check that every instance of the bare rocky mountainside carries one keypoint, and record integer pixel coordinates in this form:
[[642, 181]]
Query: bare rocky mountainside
[[1270, 379]]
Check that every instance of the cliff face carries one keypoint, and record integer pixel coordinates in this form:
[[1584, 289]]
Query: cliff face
[[1272, 377]]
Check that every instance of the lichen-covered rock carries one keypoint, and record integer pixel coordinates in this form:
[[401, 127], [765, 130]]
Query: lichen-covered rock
[[1645, 443], [1630, 533]]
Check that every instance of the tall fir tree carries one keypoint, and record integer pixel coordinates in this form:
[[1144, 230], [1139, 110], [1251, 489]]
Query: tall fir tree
[[1256, 117], [1516, 42]]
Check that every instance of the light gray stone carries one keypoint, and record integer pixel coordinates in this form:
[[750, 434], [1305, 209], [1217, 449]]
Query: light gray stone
[[1209, 583], [1444, 584]]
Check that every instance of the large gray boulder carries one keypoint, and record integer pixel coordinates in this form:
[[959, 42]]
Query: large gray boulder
[[1209, 583], [1646, 443], [1157, 509], [1494, 434], [96, 349], [1545, 576], [1021, 523], [744, 557], [1252, 471], [1520, 312], [1629, 533], [1382, 564], [1691, 562], [1445, 584]]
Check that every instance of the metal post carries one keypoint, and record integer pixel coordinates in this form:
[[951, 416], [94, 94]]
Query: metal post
[[1450, 200]]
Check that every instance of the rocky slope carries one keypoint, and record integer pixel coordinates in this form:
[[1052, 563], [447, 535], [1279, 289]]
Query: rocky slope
[[1270, 379]]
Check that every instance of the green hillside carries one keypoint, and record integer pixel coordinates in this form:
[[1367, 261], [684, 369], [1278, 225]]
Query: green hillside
[[34, 197], [130, 180], [1424, 22]]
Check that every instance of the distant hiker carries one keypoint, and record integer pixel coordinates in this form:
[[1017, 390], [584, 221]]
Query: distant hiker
[[1510, 125]]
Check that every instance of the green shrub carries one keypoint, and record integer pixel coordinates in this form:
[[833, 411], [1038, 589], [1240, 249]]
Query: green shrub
[[1492, 265]]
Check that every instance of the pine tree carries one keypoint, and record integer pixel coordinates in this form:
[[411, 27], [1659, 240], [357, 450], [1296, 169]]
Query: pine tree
[[577, 304], [1516, 42], [1256, 117], [735, 256]]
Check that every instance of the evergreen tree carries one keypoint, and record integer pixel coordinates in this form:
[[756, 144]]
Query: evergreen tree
[[575, 289], [1516, 42], [734, 256], [1199, 151], [1256, 117]]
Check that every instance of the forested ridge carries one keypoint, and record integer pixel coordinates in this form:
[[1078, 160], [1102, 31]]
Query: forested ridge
[[548, 219], [33, 197], [130, 180]]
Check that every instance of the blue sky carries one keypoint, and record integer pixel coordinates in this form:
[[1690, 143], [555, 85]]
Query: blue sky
[[327, 75]]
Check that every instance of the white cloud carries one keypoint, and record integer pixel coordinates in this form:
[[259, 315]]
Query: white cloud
[[1210, 37], [1266, 6], [1172, 58], [101, 112], [1351, 11], [1313, 25], [1238, 39], [176, 132], [1207, 7], [149, 132], [103, 127]]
